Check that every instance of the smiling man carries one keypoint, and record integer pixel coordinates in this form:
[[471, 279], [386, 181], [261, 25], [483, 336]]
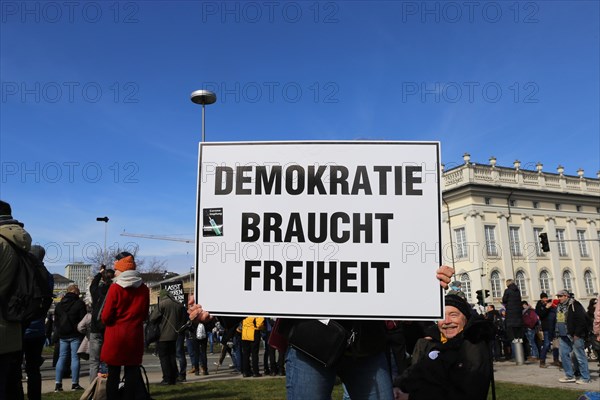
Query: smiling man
[[454, 362]]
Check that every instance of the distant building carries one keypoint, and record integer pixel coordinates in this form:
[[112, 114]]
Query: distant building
[[79, 273], [492, 219]]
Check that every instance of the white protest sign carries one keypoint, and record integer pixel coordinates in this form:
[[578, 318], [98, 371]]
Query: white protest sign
[[347, 230]]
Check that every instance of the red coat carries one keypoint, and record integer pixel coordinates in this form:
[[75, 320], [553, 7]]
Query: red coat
[[124, 313]]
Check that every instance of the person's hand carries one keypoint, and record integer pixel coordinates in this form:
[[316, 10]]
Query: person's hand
[[195, 311], [444, 275], [399, 394]]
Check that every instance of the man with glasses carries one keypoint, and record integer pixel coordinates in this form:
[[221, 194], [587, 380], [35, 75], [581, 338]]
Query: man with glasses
[[571, 327]]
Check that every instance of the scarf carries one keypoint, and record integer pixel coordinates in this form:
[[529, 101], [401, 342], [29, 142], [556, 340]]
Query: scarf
[[128, 279]]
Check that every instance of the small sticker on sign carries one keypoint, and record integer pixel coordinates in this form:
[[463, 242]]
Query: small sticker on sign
[[212, 222]]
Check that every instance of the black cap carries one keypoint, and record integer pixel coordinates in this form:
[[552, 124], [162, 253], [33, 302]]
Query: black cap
[[462, 306]]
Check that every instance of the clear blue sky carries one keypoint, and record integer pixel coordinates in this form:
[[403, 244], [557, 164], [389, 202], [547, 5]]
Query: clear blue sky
[[96, 118]]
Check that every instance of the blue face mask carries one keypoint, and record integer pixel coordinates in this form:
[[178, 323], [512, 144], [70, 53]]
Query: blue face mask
[[456, 288]]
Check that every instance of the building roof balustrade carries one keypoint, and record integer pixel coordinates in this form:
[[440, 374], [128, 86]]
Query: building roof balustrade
[[515, 178]]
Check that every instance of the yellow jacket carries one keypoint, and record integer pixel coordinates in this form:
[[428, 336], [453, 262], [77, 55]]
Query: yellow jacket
[[250, 325]]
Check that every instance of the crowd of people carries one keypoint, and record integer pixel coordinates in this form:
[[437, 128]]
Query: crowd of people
[[390, 360]]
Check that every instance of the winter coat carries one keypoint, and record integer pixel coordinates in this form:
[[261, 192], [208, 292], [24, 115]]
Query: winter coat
[[10, 332], [459, 369], [577, 320], [547, 316], [68, 313], [125, 310], [173, 316], [512, 302], [250, 325], [98, 291]]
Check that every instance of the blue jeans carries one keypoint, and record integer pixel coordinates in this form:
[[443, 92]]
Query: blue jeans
[[577, 347], [530, 334], [365, 378], [545, 345], [68, 347], [193, 352]]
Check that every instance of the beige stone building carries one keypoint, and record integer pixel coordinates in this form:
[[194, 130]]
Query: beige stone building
[[491, 220]]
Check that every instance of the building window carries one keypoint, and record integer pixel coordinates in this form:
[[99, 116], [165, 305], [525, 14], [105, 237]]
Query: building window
[[488, 201], [557, 206], [536, 204], [583, 251], [545, 282], [515, 243], [490, 240], [496, 284], [567, 281], [461, 243], [521, 284], [466, 285], [588, 279], [562, 246], [536, 237]]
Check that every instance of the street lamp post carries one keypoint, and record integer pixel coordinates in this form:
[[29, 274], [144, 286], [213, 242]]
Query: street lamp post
[[105, 220], [203, 97]]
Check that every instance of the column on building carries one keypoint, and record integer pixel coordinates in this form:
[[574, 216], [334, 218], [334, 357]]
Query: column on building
[[504, 245], [530, 256], [575, 255], [476, 241], [594, 249], [556, 278]]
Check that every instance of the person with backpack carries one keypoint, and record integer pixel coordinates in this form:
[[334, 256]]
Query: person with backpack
[[69, 312], [12, 234], [171, 316], [531, 322], [33, 343], [124, 312]]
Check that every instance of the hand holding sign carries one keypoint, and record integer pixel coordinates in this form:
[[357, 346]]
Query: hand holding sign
[[444, 274], [196, 312]]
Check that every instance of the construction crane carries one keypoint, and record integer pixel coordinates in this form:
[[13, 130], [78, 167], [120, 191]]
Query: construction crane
[[158, 237]]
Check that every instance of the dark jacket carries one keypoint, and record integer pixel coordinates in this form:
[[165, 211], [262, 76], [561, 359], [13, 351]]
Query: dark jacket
[[98, 290], [577, 320], [68, 313], [514, 311], [547, 316], [10, 332], [173, 317], [459, 369]]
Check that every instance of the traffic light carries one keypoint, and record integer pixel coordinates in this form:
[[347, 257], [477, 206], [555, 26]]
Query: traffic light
[[487, 293], [480, 297], [544, 242]]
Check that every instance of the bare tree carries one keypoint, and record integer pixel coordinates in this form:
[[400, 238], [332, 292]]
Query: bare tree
[[107, 258]]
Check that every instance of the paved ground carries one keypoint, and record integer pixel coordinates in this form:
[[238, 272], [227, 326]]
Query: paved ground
[[529, 374]]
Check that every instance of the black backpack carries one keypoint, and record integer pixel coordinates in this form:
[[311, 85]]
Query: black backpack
[[30, 295]]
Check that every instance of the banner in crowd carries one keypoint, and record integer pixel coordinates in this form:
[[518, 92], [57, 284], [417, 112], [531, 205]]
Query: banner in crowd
[[319, 229], [175, 288]]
